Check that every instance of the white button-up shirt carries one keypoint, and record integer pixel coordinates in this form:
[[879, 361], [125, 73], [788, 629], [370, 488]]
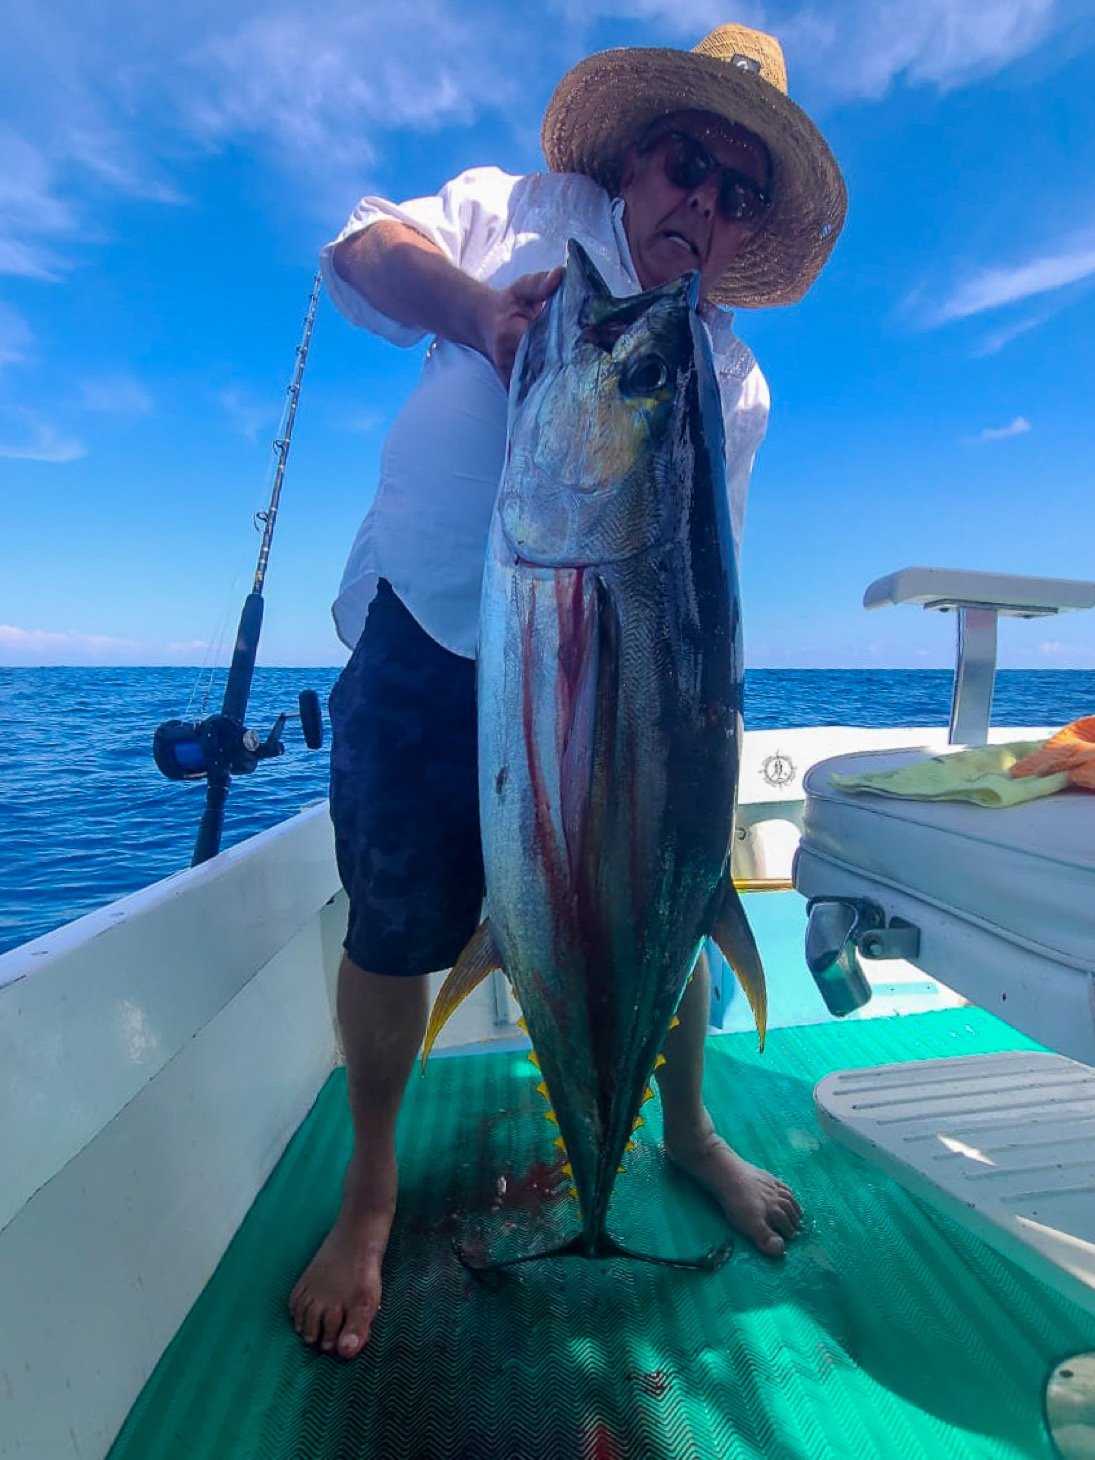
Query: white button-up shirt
[[426, 531]]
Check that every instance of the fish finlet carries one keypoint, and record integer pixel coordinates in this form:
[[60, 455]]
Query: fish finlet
[[661, 1060], [534, 1058]]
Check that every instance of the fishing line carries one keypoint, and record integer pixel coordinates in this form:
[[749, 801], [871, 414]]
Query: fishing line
[[211, 663]]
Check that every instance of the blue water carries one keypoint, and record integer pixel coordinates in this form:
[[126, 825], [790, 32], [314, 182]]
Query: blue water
[[87, 817]]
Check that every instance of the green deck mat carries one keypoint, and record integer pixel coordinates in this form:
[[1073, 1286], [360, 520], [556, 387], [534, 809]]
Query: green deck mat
[[886, 1331]]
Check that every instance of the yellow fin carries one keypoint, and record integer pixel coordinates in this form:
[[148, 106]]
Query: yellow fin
[[550, 1115], [542, 1089], [676, 1019], [648, 1094], [638, 1122], [521, 1023], [567, 1169], [559, 1143], [620, 1170], [735, 939], [630, 1146], [534, 1058], [659, 1062], [479, 959]]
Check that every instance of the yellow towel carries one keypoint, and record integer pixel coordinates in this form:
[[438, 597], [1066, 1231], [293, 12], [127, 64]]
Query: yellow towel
[[979, 775]]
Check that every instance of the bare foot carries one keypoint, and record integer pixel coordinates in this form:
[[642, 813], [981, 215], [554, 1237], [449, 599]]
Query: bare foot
[[338, 1297], [755, 1203]]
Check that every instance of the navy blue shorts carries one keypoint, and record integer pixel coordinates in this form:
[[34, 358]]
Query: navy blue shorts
[[405, 795]]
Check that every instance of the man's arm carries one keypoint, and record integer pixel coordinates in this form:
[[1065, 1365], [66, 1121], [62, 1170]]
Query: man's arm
[[405, 276]]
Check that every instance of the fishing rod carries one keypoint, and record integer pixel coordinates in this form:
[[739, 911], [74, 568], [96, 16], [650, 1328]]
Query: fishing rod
[[220, 746]]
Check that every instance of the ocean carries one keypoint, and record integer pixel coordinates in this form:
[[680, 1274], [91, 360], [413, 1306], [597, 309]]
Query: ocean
[[87, 817]]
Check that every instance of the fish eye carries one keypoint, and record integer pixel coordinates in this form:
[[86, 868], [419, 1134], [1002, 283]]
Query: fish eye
[[644, 376]]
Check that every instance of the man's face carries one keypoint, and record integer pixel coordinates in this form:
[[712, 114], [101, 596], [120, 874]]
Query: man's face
[[673, 229]]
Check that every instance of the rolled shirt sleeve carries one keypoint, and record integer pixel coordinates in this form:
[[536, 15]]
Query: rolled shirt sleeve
[[465, 221]]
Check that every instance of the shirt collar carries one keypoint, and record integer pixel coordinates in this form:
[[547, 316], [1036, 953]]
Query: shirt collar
[[621, 241]]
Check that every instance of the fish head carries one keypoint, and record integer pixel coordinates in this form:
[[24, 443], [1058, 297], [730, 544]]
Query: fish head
[[601, 427]]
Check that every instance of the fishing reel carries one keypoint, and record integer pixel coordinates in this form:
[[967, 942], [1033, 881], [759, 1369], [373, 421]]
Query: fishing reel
[[185, 750]]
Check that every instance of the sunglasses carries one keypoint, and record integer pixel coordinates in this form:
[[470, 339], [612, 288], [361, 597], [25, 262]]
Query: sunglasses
[[688, 164]]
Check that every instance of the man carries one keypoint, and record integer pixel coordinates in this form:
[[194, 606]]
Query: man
[[663, 163]]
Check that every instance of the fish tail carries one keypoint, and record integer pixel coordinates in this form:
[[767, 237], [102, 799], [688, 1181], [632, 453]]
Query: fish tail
[[735, 939], [479, 959]]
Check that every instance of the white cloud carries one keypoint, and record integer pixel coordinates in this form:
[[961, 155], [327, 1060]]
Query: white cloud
[[861, 49], [1075, 652], [43, 646], [15, 336], [319, 87], [857, 49], [22, 260], [26, 437], [32, 212], [248, 413], [26, 647], [1019, 427], [90, 112], [993, 343], [116, 395], [998, 285], [364, 422], [73, 129]]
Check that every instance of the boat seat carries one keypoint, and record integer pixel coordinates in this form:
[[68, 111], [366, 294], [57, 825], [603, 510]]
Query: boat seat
[[997, 904], [1001, 902]]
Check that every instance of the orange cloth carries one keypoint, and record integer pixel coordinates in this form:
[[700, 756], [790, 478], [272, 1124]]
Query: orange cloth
[[1071, 751]]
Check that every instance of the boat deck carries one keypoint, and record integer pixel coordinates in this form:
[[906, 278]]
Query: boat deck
[[887, 1330]]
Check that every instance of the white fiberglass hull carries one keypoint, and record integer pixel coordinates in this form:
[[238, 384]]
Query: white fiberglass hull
[[155, 1058]]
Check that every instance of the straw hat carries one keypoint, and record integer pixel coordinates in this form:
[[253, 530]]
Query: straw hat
[[603, 104]]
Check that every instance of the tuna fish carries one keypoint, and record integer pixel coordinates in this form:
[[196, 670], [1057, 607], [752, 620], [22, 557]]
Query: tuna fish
[[609, 692]]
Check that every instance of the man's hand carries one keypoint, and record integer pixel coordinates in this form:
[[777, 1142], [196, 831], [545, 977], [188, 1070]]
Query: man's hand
[[406, 277], [507, 313]]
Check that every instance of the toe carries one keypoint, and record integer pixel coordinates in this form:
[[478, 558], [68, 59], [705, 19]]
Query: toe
[[330, 1326], [310, 1322], [770, 1243], [355, 1333], [786, 1194], [782, 1220]]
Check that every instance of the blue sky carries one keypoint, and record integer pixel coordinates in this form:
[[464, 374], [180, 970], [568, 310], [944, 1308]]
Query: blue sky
[[170, 173]]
